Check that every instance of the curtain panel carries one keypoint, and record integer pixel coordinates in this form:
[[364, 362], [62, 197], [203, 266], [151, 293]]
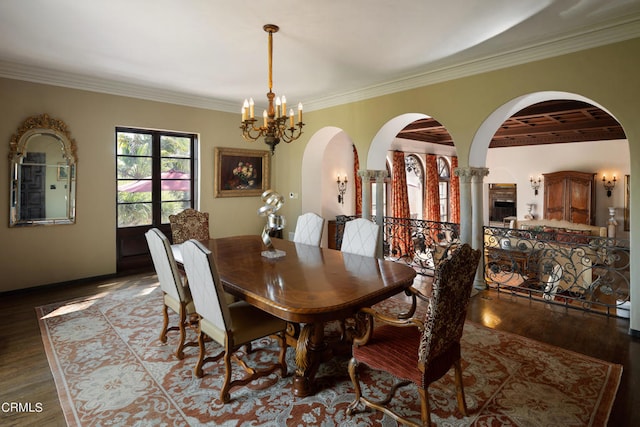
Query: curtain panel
[[357, 180], [454, 204], [432, 196], [400, 238]]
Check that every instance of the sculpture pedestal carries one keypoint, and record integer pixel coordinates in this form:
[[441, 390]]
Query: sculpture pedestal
[[275, 253]]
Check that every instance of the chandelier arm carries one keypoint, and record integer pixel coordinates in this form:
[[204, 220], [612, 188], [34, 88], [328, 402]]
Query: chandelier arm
[[291, 134], [251, 133]]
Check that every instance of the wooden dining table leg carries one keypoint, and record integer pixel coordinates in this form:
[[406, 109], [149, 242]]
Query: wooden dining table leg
[[309, 353]]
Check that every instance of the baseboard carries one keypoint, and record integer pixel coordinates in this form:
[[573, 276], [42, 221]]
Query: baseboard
[[634, 333], [51, 286]]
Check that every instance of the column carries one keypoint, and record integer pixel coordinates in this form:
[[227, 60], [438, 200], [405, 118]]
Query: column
[[465, 203], [477, 224], [381, 176], [365, 175]]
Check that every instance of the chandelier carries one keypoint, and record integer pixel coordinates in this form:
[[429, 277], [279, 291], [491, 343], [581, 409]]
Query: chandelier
[[276, 126]]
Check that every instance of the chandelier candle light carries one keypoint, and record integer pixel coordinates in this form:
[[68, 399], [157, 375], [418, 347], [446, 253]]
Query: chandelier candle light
[[274, 120]]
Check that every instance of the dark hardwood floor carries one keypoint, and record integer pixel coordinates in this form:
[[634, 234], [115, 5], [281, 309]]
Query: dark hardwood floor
[[26, 378]]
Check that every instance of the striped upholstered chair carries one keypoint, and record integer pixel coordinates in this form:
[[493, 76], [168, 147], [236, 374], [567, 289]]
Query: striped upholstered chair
[[419, 351]]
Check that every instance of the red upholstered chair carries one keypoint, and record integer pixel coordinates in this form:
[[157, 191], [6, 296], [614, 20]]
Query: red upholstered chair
[[189, 224], [419, 351]]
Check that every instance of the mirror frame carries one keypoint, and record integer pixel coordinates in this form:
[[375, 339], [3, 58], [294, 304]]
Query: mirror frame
[[18, 146]]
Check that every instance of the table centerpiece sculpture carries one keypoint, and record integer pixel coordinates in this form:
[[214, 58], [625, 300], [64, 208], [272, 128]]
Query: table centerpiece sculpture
[[272, 203]]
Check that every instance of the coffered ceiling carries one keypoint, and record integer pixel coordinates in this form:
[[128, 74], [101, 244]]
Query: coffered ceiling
[[548, 122]]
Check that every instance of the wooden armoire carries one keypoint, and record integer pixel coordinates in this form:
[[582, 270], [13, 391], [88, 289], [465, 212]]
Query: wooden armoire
[[570, 196]]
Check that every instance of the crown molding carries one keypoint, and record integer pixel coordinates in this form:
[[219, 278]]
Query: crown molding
[[47, 76], [594, 37], [602, 36]]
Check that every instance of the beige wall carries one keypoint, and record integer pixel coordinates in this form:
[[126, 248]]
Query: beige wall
[[606, 75], [32, 256]]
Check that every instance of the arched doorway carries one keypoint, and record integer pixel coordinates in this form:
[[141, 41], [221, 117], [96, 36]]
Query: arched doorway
[[593, 276], [328, 155]]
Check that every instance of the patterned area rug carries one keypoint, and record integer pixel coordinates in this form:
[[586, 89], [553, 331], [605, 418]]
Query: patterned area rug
[[111, 369]]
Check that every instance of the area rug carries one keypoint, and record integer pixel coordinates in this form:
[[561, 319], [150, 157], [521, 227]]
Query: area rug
[[111, 369]]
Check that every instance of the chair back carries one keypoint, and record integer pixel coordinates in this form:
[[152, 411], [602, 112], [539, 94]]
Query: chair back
[[165, 265], [309, 229], [360, 237], [204, 282], [447, 307], [189, 224]]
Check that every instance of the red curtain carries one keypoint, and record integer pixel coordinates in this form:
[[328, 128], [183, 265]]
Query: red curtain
[[358, 181], [455, 193], [400, 234], [432, 196]]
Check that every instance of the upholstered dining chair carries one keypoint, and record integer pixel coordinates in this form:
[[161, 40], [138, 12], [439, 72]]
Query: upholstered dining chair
[[552, 282], [175, 294], [189, 224], [309, 229], [360, 237], [229, 325], [419, 351]]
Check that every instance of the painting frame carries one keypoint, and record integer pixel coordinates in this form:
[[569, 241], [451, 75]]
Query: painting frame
[[627, 199], [240, 172], [62, 173]]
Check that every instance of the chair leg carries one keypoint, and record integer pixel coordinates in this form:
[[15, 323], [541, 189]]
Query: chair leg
[[353, 373], [462, 404], [425, 411], [198, 368], [165, 323], [183, 332], [224, 391]]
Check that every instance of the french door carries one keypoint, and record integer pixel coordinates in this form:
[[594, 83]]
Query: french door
[[155, 178]]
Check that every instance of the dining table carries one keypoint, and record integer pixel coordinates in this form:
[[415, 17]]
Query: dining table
[[307, 286]]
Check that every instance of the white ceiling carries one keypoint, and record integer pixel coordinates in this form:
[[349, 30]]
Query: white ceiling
[[213, 53]]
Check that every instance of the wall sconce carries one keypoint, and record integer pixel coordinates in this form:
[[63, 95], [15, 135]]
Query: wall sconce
[[342, 188], [535, 184], [609, 185]]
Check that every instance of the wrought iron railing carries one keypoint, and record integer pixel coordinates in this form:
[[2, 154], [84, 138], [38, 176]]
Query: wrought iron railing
[[575, 270], [569, 269], [411, 241]]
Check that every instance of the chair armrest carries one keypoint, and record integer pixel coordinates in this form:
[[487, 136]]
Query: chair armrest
[[414, 294], [367, 316]]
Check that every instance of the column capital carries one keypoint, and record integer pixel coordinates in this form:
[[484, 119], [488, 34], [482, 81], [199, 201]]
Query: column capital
[[480, 172], [378, 175], [470, 171], [462, 172]]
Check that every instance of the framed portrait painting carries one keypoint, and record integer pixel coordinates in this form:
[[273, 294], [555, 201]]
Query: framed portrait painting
[[241, 173], [62, 172]]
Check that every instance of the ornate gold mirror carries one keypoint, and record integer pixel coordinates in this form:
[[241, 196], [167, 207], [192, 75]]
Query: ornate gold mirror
[[43, 180]]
